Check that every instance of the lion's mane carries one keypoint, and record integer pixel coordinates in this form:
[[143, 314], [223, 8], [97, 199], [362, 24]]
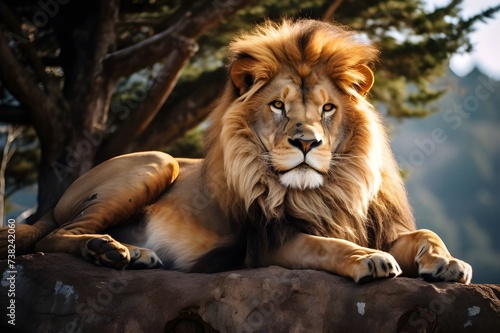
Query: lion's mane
[[363, 199]]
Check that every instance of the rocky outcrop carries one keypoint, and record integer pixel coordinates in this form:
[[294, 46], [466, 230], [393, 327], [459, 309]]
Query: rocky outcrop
[[60, 293]]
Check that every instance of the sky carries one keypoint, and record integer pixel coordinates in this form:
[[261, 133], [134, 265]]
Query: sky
[[486, 40]]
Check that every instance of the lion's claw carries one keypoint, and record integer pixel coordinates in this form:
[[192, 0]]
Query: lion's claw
[[442, 269], [377, 265]]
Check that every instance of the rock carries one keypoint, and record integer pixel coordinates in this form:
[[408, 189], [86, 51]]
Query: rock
[[61, 293]]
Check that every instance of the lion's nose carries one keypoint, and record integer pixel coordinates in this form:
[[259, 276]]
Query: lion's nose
[[305, 145]]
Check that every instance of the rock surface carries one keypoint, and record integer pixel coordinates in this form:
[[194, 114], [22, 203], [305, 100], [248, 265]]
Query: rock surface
[[60, 293]]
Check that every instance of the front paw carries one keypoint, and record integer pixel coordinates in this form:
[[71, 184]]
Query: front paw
[[375, 265], [440, 268]]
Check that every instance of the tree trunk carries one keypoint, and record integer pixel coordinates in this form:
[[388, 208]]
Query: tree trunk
[[76, 138]]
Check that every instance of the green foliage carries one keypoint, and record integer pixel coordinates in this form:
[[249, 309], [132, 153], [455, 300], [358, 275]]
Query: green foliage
[[187, 146]]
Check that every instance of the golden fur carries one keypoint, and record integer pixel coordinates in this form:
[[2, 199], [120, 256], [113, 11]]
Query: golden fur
[[298, 172]]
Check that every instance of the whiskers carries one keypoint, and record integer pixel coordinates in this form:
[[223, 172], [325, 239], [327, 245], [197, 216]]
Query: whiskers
[[265, 157], [337, 158]]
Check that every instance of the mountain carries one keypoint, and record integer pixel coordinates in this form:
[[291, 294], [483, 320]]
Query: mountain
[[453, 163]]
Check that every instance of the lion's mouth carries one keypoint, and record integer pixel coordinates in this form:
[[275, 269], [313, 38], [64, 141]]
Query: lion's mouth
[[301, 166], [302, 176]]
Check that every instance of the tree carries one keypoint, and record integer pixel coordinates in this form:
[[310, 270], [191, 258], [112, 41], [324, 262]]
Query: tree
[[92, 77], [61, 60]]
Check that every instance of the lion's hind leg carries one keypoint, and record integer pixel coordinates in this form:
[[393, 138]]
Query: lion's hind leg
[[107, 196], [422, 253]]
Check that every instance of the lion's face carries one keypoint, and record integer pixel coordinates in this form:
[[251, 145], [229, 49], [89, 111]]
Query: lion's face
[[296, 86], [298, 123]]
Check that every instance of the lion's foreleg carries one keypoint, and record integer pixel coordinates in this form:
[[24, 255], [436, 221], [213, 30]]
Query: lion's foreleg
[[334, 255], [422, 253]]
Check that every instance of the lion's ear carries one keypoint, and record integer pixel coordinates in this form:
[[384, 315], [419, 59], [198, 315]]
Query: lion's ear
[[365, 85], [241, 74]]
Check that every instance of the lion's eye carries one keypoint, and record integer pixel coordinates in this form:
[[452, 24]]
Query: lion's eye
[[329, 108], [277, 106]]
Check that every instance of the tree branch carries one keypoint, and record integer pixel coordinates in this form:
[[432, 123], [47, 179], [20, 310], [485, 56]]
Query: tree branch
[[164, 82], [330, 12], [14, 25], [14, 115], [18, 81], [179, 38], [188, 110], [127, 61], [153, 49]]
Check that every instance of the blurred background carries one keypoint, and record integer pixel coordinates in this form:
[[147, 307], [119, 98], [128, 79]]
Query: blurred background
[[98, 80], [454, 182]]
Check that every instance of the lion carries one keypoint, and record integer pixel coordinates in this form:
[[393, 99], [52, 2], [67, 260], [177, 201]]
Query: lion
[[297, 172]]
